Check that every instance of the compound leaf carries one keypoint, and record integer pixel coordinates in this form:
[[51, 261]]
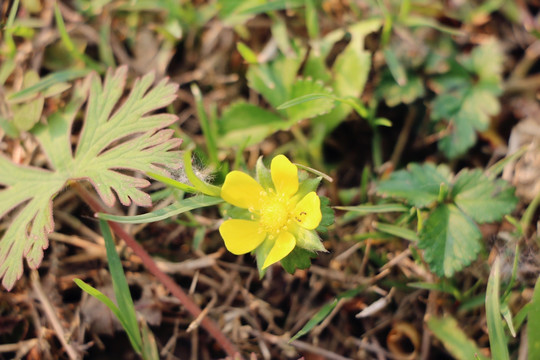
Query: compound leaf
[[114, 137]]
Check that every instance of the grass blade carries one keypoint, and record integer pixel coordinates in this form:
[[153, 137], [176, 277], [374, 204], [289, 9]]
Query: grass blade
[[454, 339], [180, 207], [533, 327], [121, 289], [375, 209], [497, 339], [396, 231]]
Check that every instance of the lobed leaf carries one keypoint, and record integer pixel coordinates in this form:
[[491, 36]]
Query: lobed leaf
[[419, 185], [113, 138], [482, 199]]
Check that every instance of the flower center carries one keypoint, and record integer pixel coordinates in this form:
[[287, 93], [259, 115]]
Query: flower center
[[274, 212]]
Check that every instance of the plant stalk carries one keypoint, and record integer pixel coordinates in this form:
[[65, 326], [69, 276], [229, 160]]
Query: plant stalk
[[165, 279]]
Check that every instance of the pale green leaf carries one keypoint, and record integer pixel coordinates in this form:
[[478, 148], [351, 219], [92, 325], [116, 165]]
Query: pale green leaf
[[482, 199], [450, 239], [447, 330], [126, 139], [419, 185]]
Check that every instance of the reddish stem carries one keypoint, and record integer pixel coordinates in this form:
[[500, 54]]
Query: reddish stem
[[165, 279]]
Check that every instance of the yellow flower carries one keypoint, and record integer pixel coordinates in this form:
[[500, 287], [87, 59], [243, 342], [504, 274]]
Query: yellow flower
[[277, 214]]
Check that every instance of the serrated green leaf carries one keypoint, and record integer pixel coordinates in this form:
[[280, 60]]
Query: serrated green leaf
[[419, 185], [533, 321], [127, 139], [298, 259], [177, 208], [315, 107], [327, 214], [450, 240], [454, 339], [497, 339], [394, 94], [482, 199], [468, 103]]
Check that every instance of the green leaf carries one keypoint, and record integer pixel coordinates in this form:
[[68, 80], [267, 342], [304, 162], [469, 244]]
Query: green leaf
[[273, 5], [468, 103], [110, 304], [419, 185], [454, 339], [47, 82], [398, 231], [353, 60], [128, 139], [26, 115], [316, 319], [497, 338], [315, 107], [395, 67], [177, 208], [327, 215], [299, 258], [473, 112], [274, 80], [533, 321], [450, 239], [375, 209], [325, 311], [121, 289], [482, 199], [248, 124], [395, 94]]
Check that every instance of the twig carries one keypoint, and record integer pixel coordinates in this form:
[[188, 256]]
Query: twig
[[166, 280], [51, 315], [301, 345]]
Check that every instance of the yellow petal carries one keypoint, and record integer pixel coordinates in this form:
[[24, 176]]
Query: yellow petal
[[284, 175], [307, 212], [241, 190], [241, 236], [285, 243]]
